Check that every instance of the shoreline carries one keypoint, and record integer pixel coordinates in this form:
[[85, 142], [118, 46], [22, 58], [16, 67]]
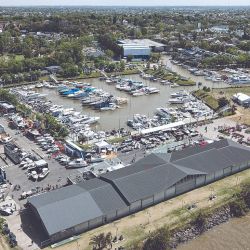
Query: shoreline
[[235, 204]]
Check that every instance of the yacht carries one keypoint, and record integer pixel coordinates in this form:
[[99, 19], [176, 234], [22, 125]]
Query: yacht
[[77, 163], [33, 175], [43, 174], [177, 100], [179, 94], [240, 79]]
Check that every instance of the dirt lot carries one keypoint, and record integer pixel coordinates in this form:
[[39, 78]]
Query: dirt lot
[[137, 226], [242, 114]]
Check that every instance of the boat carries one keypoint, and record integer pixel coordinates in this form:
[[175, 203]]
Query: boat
[[181, 93], [43, 174], [177, 100], [152, 90], [109, 81], [33, 175], [39, 85], [174, 85], [77, 163], [111, 106], [240, 79]]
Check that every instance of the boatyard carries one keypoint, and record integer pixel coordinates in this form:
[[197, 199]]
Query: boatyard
[[122, 128]]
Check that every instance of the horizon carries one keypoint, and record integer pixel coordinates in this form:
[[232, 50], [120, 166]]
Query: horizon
[[129, 3]]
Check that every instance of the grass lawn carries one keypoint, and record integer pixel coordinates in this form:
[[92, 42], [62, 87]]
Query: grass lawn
[[170, 76], [229, 92], [211, 101]]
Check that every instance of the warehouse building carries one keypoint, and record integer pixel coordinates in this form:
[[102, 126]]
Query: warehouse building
[[140, 48], [155, 178]]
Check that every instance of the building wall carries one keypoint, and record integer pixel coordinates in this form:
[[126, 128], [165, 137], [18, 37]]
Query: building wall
[[169, 193], [148, 202], [159, 197], [82, 227], [136, 51], [95, 222], [122, 212], [135, 206], [185, 186]]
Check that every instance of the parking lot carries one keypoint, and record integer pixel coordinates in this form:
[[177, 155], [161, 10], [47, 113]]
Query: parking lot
[[16, 176]]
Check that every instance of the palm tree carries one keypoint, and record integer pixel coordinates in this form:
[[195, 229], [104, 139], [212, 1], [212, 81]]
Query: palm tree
[[101, 241], [98, 241], [108, 240]]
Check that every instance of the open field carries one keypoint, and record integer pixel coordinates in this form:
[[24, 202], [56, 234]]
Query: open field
[[228, 92], [169, 213], [243, 114]]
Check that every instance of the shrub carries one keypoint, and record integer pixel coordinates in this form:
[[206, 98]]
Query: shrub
[[158, 240], [200, 221], [237, 208]]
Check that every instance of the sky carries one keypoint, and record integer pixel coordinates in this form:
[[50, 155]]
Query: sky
[[126, 2]]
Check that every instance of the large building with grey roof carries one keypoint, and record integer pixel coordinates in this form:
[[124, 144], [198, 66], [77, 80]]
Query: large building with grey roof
[[155, 178]]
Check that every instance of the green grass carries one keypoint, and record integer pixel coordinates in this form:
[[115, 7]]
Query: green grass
[[207, 98], [170, 76], [19, 58], [233, 90], [116, 140]]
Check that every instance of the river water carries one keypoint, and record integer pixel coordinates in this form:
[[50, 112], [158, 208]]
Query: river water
[[136, 105], [233, 235]]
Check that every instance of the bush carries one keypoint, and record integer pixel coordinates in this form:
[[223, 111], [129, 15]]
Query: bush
[[237, 208], [158, 240], [200, 221]]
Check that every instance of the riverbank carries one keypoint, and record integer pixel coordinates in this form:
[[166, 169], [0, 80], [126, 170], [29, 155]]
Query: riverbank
[[234, 234], [199, 221]]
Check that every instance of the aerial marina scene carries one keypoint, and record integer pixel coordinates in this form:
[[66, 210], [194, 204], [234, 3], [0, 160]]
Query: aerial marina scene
[[124, 127]]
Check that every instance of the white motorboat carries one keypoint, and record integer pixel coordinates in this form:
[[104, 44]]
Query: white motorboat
[[174, 85], [77, 163], [33, 175], [177, 100], [43, 174]]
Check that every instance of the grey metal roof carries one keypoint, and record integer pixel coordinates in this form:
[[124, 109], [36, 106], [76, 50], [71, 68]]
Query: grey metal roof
[[146, 183], [60, 209], [208, 161], [177, 155], [104, 194], [235, 155], [69, 206]]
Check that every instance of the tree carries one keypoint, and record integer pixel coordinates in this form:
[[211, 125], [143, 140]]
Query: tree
[[101, 241], [122, 66], [130, 58], [109, 53], [223, 102], [69, 70]]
